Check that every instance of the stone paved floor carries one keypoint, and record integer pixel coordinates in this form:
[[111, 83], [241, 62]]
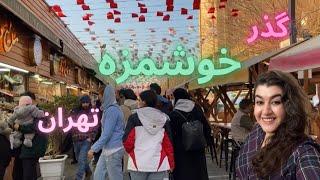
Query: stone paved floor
[[215, 173]]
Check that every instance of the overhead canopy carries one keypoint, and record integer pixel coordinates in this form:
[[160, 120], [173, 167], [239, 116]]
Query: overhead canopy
[[303, 56]]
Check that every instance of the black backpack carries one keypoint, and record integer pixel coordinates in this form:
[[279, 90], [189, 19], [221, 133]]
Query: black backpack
[[192, 133]]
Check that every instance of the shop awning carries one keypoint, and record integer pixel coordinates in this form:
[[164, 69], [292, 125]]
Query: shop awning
[[301, 57]]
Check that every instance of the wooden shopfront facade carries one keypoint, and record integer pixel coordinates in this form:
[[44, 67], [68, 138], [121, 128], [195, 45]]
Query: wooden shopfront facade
[[50, 56]]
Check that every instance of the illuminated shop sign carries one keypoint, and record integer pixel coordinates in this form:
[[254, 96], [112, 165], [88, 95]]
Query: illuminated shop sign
[[271, 32], [8, 36], [146, 66], [81, 123]]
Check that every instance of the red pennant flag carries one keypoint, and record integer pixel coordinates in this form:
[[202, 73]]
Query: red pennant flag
[[222, 6], [166, 17], [80, 2], [85, 17], [110, 15], [141, 5], [213, 17], [159, 13], [60, 14], [115, 12], [170, 8], [134, 15], [223, 0], [234, 12], [109, 1], [85, 7], [143, 10], [211, 10], [93, 38], [56, 8], [113, 5], [196, 4], [190, 17], [184, 11], [142, 18], [117, 20], [169, 2], [91, 23]]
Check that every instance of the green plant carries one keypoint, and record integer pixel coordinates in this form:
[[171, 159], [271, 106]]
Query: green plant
[[67, 102]]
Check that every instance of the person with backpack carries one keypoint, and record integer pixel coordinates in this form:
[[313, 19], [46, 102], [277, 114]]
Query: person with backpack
[[189, 146], [163, 103], [278, 146], [147, 141]]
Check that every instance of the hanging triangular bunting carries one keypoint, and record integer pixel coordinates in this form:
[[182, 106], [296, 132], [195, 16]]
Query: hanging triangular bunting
[[91, 23], [142, 18], [117, 20], [141, 5], [80, 2], [85, 7], [169, 2], [211, 10], [166, 17], [190, 17], [113, 5], [170, 8], [196, 4], [60, 14], [134, 15], [159, 13], [143, 10], [56, 8], [115, 12], [110, 15], [184, 11]]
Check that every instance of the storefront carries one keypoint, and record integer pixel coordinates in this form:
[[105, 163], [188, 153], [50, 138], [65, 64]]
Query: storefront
[[30, 62]]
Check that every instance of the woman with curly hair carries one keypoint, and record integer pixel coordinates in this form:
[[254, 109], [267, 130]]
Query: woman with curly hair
[[278, 147]]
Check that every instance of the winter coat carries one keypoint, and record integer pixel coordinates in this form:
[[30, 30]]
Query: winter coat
[[80, 136], [39, 142], [5, 155], [147, 141], [129, 107], [112, 123], [25, 115], [190, 165]]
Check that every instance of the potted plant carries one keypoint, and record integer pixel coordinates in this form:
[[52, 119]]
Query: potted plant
[[52, 165]]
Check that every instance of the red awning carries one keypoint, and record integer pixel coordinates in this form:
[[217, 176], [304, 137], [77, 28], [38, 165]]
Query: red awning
[[301, 57]]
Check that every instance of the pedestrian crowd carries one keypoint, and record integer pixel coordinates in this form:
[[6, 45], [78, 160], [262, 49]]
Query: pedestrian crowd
[[149, 137]]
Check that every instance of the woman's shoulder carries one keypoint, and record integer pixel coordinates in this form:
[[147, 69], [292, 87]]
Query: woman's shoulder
[[308, 147]]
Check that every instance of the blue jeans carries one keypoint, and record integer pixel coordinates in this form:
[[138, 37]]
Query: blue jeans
[[109, 166], [136, 175], [81, 149]]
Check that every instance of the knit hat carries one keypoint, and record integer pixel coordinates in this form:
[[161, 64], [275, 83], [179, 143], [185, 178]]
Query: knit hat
[[25, 100], [85, 99], [4, 128]]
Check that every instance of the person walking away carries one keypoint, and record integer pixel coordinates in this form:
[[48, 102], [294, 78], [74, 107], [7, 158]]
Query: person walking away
[[190, 164], [112, 123], [130, 103], [241, 123], [163, 104], [147, 141]]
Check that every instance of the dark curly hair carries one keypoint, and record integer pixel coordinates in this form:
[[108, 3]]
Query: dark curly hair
[[291, 131]]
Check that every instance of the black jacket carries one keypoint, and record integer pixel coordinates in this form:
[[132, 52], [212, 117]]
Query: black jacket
[[5, 155]]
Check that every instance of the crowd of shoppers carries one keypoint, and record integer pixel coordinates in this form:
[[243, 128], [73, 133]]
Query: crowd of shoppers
[[146, 137]]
